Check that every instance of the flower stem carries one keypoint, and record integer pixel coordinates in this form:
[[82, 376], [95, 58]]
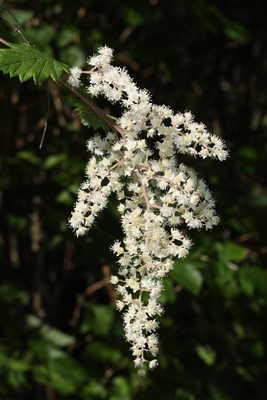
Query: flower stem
[[97, 111]]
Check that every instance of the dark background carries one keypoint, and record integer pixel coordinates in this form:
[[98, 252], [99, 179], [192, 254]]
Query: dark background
[[60, 336]]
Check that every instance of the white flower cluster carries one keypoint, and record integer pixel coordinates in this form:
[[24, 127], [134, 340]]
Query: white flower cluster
[[138, 161], [74, 78]]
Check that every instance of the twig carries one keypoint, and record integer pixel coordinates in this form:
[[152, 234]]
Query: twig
[[17, 30], [97, 111], [48, 109], [80, 300]]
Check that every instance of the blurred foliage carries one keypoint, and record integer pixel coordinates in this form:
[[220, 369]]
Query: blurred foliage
[[60, 336]]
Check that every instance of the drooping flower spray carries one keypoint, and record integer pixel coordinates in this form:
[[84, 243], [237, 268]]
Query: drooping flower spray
[[156, 194]]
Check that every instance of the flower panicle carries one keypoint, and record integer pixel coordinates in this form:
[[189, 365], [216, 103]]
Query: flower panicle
[[155, 193]]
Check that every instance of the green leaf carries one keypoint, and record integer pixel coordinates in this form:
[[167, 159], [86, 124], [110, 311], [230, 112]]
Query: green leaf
[[101, 351], [44, 350], [89, 117], [27, 62], [55, 242], [65, 197], [3, 30], [65, 367], [120, 389], [231, 251], [98, 319], [252, 278], [134, 17], [206, 354], [32, 322], [18, 16], [95, 389], [40, 374], [12, 294], [56, 337], [3, 359], [18, 365], [54, 160], [187, 275], [257, 349], [51, 375], [167, 295], [245, 374], [216, 392], [28, 156], [73, 55], [236, 31], [66, 35], [239, 330], [182, 394], [41, 36], [18, 222], [22, 16]]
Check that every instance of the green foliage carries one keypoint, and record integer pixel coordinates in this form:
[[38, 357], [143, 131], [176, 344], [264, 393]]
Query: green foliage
[[207, 355], [253, 281], [27, 62], [98, 319], [90, 118], [186, 274]]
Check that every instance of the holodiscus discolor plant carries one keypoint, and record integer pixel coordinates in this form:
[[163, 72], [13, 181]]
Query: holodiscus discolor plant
[[137, 159]]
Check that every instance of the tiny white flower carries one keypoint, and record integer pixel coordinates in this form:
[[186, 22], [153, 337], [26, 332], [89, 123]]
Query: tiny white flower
[[153, 364], [114, 280], [141, 373]]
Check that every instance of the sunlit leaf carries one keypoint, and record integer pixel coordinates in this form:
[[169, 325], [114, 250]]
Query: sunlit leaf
[[27, 62]]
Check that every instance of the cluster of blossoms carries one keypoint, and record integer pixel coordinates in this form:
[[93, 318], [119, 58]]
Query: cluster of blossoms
[[137, 160]]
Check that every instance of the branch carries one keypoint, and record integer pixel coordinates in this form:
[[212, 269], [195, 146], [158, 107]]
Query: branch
[[17, 30], [97, 111], [80, 300]]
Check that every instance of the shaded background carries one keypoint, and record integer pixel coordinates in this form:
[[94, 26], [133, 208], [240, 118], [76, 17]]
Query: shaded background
[[60, 336]]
